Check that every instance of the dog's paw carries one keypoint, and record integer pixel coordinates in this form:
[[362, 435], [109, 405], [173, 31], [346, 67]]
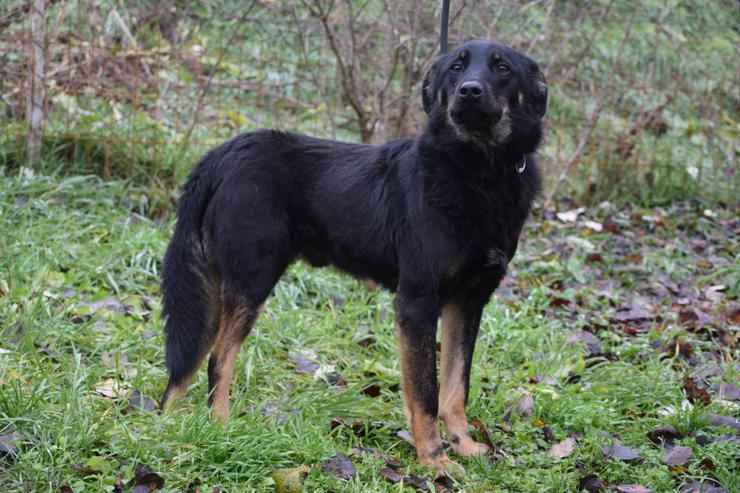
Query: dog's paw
[[445, 467], [468, 447]]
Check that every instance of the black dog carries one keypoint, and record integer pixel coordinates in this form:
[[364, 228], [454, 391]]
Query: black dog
[[434, 218]]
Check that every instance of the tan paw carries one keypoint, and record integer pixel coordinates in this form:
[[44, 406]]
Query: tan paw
[[445, 467], [466, 447]]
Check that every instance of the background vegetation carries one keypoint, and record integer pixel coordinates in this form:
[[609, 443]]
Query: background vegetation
[[606, 362], [644, 95]]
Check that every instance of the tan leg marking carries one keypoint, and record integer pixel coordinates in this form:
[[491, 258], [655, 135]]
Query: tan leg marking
[[233, 328], [424, 428], [452, 388]]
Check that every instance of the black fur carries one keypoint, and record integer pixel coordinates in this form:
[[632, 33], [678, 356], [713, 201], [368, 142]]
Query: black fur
[[430, 217]]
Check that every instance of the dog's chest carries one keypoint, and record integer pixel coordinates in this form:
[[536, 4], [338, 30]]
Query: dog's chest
[[485, 240]]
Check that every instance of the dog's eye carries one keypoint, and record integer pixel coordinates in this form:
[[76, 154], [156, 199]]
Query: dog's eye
[[456, 68], [501, 68]]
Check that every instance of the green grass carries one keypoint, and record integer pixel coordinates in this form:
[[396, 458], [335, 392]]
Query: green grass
[[67, 242]]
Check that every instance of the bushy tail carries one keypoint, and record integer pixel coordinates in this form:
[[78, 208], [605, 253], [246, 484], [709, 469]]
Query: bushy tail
[[191, 297]]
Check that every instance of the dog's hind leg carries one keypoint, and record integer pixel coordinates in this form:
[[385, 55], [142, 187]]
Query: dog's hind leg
[[250, 266], [460, 321], [237, 319]]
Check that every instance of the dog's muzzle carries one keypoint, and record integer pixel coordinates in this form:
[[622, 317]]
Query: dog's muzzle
[[473, 108]]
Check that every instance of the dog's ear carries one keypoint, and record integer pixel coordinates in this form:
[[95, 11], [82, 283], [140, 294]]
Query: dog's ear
[[429, 89], [432, 84], [538, 97]]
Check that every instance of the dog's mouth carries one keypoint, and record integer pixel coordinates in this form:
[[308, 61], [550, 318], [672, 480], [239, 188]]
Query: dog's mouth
[[478, 119]]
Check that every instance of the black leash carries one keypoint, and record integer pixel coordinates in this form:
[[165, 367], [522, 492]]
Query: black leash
[[443, 27]]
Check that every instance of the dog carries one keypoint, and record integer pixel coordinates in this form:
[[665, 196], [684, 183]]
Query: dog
[[435, 219]]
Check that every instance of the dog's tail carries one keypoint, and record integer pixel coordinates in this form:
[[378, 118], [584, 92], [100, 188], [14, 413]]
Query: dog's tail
[[191, 298]]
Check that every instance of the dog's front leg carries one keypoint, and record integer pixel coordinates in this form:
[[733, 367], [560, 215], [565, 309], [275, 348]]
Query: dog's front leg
[[416, 318], [460, 321]]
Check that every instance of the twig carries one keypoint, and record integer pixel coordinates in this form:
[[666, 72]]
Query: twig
[[347, 74]]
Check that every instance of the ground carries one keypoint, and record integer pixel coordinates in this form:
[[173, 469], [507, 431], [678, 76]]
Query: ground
[[615, 321]]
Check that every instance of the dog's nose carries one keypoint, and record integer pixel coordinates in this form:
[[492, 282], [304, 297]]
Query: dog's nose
[[470, 90]]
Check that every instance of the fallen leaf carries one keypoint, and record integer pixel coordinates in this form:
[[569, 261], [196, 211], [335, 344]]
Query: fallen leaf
[[594, 226], [570, 216], [65, 488], [590, 483], [339, 466], [483, 429], [594, 257], [706, 463], [632, 330], [695, 393], [372, 390], [336, 380], [727, 391], [718, 420], [8, 447], [732, 313], [620, 452], [714, 293], [111, 304], [665, 434], [111, 388], [289, 480], [610, 225], [707, 371], [693, 317], [590, 342], [631, 488], [677, 456], [391, 475], [444, 484], [302, 364], [633, 315], [396, 477], [137, 401], [696, 487], [678, 346], [562, 449], [403, 435], [547, 432], [525, 405], [724, 438], [144, 476]]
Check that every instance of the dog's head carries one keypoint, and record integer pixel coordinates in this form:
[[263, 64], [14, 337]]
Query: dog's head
[[486, 92]]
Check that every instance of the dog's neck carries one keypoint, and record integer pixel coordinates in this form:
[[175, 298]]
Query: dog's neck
[[475, 153]]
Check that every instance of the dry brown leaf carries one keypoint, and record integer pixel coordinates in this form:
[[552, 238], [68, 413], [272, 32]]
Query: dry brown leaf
[[562, 449]]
